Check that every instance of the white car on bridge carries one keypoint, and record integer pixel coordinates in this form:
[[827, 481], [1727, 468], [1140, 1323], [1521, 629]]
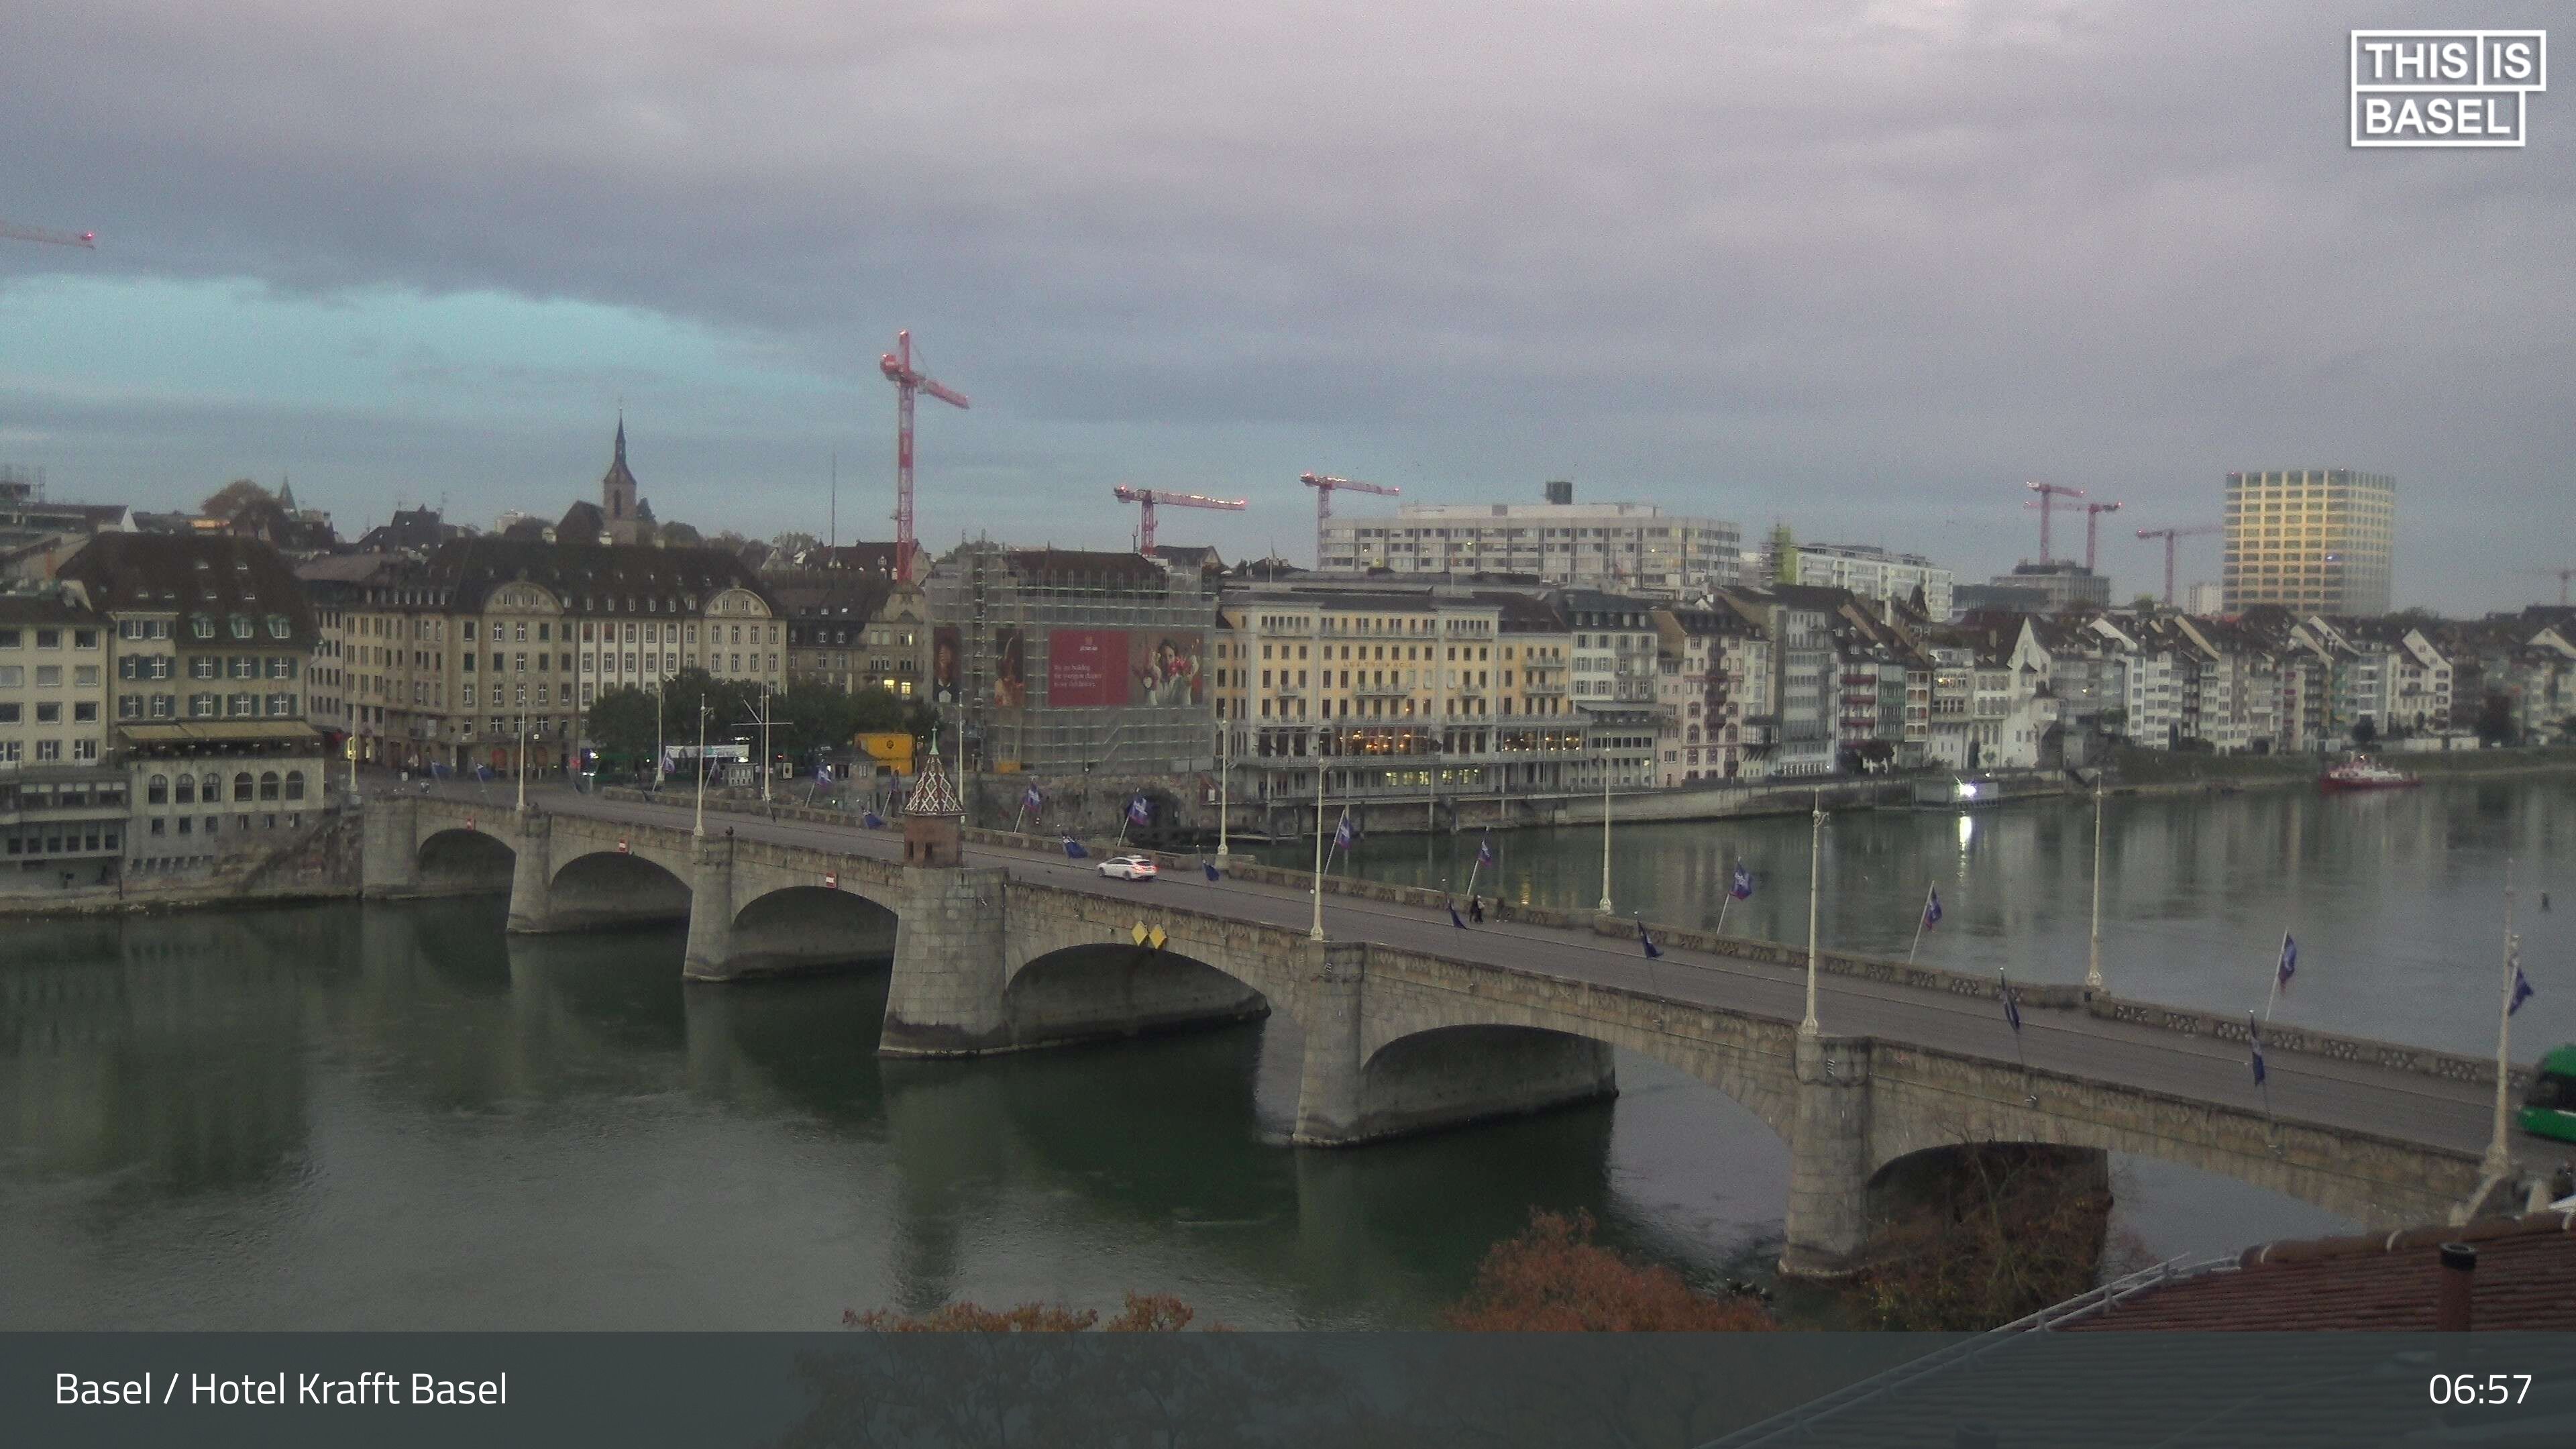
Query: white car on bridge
[[1130, 867]]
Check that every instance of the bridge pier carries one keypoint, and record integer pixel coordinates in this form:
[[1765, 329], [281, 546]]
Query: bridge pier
[[1826, 1230], [1329, 1095], [532, 874], [710, 953], [390, 849], [945, 998]]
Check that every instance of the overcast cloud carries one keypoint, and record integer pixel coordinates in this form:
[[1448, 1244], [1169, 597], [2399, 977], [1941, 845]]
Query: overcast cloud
[[1861, 267]]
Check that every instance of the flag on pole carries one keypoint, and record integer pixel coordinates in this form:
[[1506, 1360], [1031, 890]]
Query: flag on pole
[[1138, 812], [1453, 919], [822, 773], [483, 772], [1210, 867], [2522, 991], [2289, 962], [1073, 849], [1030, 799], [1742, 888], [1932, 914], [2254, 1042], [1345, 833], [1485, 850], [1652, 952], [872, 820], [2012, 1005]]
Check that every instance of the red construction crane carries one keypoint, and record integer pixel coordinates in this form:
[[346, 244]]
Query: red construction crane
[[58, 238], [2048, 493], [2562, 576], [1324, 484], [1151, 497], [2169, 535], [898, 368], [2093, 520]]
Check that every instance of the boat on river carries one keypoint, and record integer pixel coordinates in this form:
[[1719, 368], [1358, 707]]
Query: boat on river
[[2364, 773]]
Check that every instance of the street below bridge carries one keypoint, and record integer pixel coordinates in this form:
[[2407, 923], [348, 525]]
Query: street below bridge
[[2354, 1096]]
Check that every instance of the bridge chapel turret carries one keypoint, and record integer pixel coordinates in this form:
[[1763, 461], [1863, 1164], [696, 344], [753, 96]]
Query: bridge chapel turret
[[618, 506], [933, 820]]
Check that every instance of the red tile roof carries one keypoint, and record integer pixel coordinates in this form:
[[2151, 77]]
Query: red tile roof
[[2525, 1279]]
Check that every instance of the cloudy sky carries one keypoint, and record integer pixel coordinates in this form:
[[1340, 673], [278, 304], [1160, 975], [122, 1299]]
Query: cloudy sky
[[1863, 267]]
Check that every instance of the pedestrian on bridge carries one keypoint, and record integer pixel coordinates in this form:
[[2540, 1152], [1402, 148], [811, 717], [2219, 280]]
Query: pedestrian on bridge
[[1476, 909]]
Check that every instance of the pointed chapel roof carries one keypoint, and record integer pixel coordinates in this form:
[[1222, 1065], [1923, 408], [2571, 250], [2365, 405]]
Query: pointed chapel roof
[[932, 795], [617, 470]]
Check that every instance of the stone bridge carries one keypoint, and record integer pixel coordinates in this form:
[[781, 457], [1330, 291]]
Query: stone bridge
[[1397, 1039]]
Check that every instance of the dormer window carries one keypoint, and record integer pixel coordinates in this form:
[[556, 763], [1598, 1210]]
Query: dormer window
[[202, 627], [241, 626], [278, 628]]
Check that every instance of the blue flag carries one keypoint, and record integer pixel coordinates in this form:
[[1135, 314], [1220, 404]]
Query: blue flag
[[1032, 800], [1073, 849], [1138, 812], [1647, 941], [2254, 1043], [2522, 991], [1485, 851], [1932, 910], [482, 772], [1453, 919], [1742, 888], [2289, 962], [1210, 867], [2012, 1002], [872, 820], [1344, 833]]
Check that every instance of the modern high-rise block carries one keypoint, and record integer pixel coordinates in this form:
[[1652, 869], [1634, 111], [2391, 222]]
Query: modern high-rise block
[[2315, 540], [1635, 548]]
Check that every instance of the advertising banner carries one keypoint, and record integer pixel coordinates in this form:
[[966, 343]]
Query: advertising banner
[[944, 664], [1010, 668], [1086, 668]]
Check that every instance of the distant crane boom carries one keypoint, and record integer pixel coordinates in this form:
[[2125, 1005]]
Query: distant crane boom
[[2048, 494], [14, 232], [1324, 484], [907, 380], [2169, 535], [1150, 498], [2562, 576], [2092, 521]]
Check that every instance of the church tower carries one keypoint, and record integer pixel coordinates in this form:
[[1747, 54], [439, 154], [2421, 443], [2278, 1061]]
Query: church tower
[[617, 504]]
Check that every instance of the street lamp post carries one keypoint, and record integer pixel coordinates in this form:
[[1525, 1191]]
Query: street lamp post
[[2499, 1159], [2093, 968], [699, 826], [524, 736], [1605, 832], [1815, 878], [1316, 932], [1224, 774]]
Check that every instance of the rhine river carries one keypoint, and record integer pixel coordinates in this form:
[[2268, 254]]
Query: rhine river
[[382, 1117]]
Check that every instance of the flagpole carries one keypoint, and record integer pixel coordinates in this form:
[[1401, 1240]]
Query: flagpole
[[2012, 1014], [1224, 775], [2274, 998], [2262, 1078], [2093, 967], [1920, 920], [1316, 931], [2499, 1157], [1605, 832], [1723, 902], [1815, 863]]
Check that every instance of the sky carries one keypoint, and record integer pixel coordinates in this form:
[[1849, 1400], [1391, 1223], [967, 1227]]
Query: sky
[[1862, 266]]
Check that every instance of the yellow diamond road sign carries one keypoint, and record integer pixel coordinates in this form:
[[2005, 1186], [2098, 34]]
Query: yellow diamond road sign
[[1158, 938], [1138, 933]]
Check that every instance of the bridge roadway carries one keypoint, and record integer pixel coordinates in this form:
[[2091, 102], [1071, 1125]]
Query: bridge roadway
[[2452, 1118]]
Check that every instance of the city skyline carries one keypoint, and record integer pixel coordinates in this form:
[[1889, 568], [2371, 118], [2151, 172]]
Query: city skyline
[[1150, 256]]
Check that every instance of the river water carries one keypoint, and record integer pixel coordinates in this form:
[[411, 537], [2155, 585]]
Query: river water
[[335, 1116]]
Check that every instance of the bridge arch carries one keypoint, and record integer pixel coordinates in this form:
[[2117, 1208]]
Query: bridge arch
[[613, 888], [462, 860], [800, 926], [1100, 990], [1449, 1076]]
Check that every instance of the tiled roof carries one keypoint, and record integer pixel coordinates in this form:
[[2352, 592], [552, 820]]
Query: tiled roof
[[590, 578], [2525, 1279], [191, 574]]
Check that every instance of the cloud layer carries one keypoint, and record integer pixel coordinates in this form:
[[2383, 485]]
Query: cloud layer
[[1864, 267]]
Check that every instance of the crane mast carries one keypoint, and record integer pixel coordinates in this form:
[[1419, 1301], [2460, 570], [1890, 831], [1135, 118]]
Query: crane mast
[[2169, 535], [898, 369], [1324, 484], [2049, 493]]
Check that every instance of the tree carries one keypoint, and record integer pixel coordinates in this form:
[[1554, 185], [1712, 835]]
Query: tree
[[2365, 731], [795, 541], [2144, 604], [1987, 1233], [233, 497], [679, 535], [1144, 1313], [1553, 1278], [623, 721], [2495, 719]]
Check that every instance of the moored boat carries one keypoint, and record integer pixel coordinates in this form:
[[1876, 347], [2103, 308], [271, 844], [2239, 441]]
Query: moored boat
[[2364, 773]]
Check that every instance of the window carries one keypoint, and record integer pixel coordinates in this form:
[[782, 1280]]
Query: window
[[268, 785], [279, 628], [242, 786], [295, 784], [156, 791], [49, 713], [86, 711]]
